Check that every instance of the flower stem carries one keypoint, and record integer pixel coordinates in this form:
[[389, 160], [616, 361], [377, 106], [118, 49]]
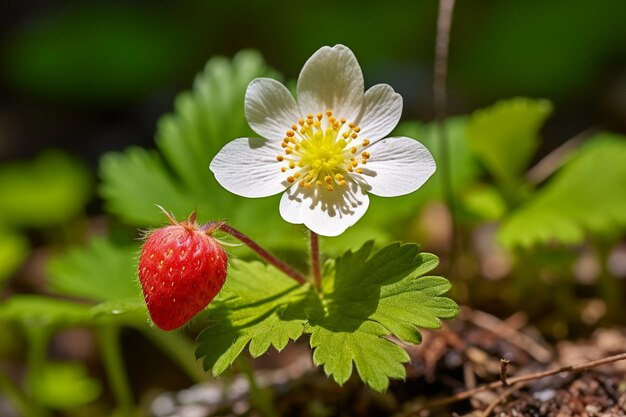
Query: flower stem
[[262, 252], [315, 259]]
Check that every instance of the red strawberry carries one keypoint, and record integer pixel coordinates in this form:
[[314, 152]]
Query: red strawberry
[[181, 269]]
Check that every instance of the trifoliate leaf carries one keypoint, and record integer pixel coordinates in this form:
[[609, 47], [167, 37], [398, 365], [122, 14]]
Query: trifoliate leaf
[[505, 135], [47, 191], [585, 196], [64, 385], [365, 299], [259, 306], [371, 296], [100, 271]]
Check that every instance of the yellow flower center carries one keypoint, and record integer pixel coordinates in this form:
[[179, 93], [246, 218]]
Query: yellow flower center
[[322, 151]]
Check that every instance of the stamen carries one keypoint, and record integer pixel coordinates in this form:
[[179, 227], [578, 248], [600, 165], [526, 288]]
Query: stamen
[[320, 152]]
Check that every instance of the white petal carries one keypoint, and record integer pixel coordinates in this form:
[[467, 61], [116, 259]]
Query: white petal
[[331, 80], [397, 166], [270, 108], [248, 167], [327, 213], [382, 109]]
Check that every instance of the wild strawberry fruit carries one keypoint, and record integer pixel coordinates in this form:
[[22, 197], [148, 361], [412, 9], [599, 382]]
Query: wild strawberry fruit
[[181, 269]]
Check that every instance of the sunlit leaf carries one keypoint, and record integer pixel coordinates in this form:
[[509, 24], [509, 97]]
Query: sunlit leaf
[[100, 271], [65, 385], [365, 298], [13, 251], [505, 136], [585, 196], [49, 190]]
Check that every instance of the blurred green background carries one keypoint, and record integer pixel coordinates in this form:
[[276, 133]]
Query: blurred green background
[[95, 76]]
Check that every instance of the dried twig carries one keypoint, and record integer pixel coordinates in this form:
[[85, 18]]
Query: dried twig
[[463, 395], [512, 335], [504, 364]]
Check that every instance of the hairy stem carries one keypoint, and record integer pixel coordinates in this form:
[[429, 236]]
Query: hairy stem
[[444, 22], [315, 259], [262, 252]]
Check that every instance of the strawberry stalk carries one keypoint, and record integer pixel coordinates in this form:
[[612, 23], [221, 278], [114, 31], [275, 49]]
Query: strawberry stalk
[[259, 250]]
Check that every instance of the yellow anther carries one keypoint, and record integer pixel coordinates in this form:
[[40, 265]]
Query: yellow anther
[[354, 136], [365, 154], [307, 185], [294, 127], [303, 131], [318, 183], [329, 113], [357, 129], [300, 122], [288, 151], [301, 183], [350, 168], [351, 125], [284, 144], [359, 170], [366, 142], [320, 116], [290, 133], [343, 183], [329, 187], [279, 158], [317, 124], [342, 120], [309, 116], [292, 164], [283, 169], [345, 135], [353, 150], [338, 177], [354, 163], [291, 179], [328, 179], [296, 175]]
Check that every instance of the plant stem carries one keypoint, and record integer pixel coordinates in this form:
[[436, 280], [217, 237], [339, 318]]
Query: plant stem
[[262, 252], [444, 22], [114, 367], [315, 259], [38, 338]]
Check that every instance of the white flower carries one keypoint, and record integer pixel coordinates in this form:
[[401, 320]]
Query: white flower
[[327, 151]]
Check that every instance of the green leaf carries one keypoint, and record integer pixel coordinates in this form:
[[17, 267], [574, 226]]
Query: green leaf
[[13, 251], [49, 190], [177, 176], [377, 359], [100, 271], [259, 306], [371, 296], [505, 136], [64, 386], [585, 196]]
